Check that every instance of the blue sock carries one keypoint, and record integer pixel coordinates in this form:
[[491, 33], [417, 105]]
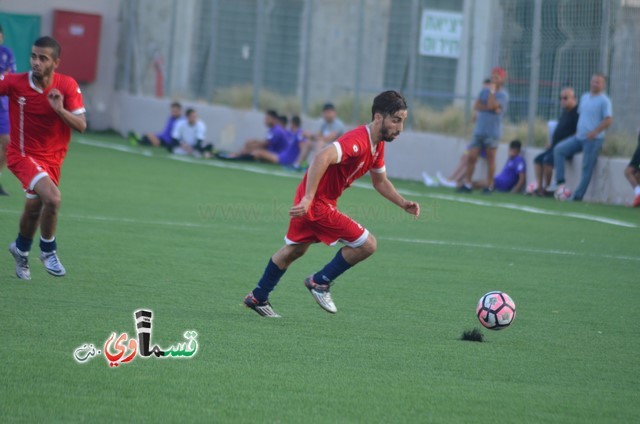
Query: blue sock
[[23, 244], [332, 270], [48, 245], [267, 283]]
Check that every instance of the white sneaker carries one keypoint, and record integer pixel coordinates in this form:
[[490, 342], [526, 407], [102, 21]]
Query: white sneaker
[[22, 262], [321, 294], [179, 151], [444, 181], [52, 264], [428, 181]]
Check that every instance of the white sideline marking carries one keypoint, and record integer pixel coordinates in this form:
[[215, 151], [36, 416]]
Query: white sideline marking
[[396, 239], [516, 249], [112, 146], [521, 208], [236, 166], [452, 198], [471, 245], [217, 164], [122, 220]]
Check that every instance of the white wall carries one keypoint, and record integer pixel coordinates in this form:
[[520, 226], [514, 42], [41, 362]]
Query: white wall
[[332, 71], [97, 96], [406, 158]]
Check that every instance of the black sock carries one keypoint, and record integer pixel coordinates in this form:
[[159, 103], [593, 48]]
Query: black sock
[[48, 246], [267, 283], [23, 244], [332, 270]]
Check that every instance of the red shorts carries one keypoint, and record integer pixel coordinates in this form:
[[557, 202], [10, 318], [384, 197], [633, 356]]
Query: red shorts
[[328, 225], [29, 171]]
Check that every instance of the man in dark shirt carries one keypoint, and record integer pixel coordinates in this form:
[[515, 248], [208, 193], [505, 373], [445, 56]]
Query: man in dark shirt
[[567, 123]]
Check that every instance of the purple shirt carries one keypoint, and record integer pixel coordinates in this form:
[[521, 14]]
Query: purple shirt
[[289, 156], [277, 139], [508, 177], [165, 135], [7, 64]]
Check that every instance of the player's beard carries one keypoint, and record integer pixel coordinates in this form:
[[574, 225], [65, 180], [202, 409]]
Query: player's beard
[[387, 135], [41, 73]]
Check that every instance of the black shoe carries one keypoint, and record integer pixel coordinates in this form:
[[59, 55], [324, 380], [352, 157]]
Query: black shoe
[[232, 156], [3, 192], [225, 156], [487, 190], [464, 189]]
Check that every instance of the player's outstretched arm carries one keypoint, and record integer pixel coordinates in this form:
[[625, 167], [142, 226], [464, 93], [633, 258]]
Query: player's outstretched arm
[[76, 122], [327, 157], [382, 184]]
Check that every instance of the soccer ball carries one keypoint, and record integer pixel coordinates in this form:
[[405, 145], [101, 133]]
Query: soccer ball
[[562, 193], [531, 188], [496, 310]]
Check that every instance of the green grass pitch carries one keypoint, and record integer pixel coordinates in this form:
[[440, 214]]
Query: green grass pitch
[[189, 240]]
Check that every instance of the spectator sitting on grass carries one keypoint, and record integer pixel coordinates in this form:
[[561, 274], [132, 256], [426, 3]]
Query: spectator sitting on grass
[[513, 176], [291, 153], [284, 121], [276, 141], [162, 139], [330, 129], [188, 137], [457, 176]]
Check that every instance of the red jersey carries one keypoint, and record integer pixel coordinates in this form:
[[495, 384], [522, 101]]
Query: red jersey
[[36, 129], [356, 156]]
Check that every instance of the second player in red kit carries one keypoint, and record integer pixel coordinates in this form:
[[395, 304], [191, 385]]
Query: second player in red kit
[[315, 216]]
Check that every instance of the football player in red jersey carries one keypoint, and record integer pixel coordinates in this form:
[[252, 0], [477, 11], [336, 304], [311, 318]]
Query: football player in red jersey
[[44, 106], [315, 216]]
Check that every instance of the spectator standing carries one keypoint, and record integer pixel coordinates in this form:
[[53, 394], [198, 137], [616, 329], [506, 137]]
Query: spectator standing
[[596, 115], [491, 106]]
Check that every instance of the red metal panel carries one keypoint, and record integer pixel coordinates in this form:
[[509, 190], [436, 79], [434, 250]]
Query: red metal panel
[[79, 36]]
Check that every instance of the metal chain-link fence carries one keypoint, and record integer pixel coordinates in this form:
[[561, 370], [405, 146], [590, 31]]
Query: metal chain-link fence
[[295, 55]]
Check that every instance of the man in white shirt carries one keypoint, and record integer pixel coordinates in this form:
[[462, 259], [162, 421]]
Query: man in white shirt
[[188, 136]]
